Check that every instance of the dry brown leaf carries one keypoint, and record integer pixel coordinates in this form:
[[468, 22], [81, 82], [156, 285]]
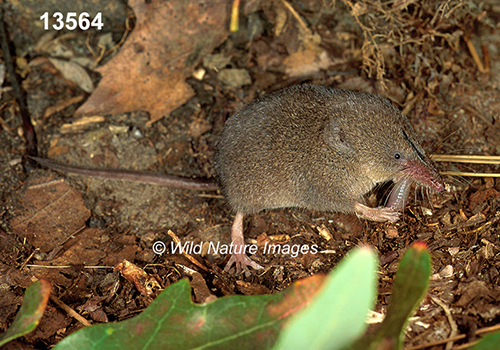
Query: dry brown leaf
[[480, 197], [149, 72], [49, 213], [307, 62], [144, 283], [75, 73]]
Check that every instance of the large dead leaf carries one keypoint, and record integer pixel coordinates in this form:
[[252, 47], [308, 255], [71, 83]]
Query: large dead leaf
[[149, 73], [48, 213]]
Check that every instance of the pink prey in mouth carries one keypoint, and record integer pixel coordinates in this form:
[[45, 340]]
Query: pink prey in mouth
[[414, 171]]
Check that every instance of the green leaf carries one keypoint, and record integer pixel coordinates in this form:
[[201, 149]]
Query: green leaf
[[491, 341], [31, 311], [410, 285], [337, 315], [173, 321]]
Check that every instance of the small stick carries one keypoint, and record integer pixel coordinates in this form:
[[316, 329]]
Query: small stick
[[296, 15], [474, 55], [193, 260], [29, 130], [70, 311], [465, 159], [66, 308], [460, 173], [234, 25]]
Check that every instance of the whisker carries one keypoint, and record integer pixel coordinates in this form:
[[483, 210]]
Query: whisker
[[415, 194], [403, 218], [462, 151], [422, 199], [429, 199], [458, 180], [462, 166], [388, 192], [434, 146]]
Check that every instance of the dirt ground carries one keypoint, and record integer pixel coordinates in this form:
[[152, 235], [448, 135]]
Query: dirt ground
[[437, 61]]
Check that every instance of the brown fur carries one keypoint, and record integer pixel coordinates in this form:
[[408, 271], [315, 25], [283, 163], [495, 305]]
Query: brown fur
[[310, 147], [313, 147]]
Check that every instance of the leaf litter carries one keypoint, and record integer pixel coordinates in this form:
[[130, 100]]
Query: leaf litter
[[436, 60]]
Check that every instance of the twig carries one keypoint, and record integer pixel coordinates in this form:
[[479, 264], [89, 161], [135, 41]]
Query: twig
[[370, 47], [461, 173], [470, 159], [70, 311], [66, 308], [474, 54], [122, 40], [29, 131], [189, 257], [297, 16], [68, 266], [87, 43], [451, 321], [28, 259], [466, 159], [234, 25], [481, 331]]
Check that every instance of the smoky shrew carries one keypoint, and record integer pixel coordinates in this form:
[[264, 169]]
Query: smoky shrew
[[305, 146]]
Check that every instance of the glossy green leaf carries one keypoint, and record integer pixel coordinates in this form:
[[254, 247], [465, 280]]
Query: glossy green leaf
[[173, 321], [337, 315], [489, 342], [31, 311], [410, 285]]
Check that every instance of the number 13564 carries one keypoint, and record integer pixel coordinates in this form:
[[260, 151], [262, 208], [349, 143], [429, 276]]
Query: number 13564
[[73, 21]]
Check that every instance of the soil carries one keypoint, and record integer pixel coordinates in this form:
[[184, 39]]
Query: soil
[[420, 55]]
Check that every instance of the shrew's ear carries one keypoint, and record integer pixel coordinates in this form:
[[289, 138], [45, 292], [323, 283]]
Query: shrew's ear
[[335, 137]]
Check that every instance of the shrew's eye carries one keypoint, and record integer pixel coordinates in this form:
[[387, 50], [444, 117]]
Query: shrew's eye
[[397, 156]]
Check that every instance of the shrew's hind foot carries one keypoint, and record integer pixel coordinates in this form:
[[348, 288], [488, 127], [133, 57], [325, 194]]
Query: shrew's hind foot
[[239, 257]]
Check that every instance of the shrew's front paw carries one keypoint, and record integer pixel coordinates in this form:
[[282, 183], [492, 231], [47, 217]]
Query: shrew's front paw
[[380, 214]]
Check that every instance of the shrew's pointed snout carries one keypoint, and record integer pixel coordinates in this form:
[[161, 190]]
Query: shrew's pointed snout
[[437, 184], [423, 174]]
